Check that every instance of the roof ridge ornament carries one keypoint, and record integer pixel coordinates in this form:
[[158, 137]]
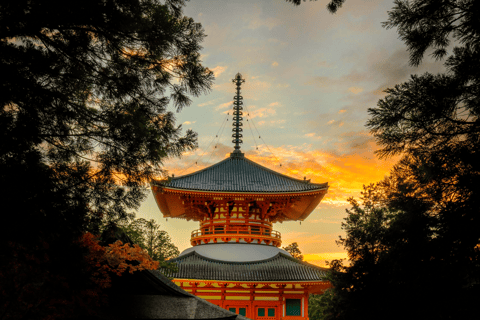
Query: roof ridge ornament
[[237, 117]]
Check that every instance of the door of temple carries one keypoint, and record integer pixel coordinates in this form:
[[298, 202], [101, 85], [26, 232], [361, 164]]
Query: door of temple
[[238, 309], [266, 313]]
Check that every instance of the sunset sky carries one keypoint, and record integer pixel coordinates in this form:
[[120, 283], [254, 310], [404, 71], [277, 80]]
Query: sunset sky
[[310, 78]]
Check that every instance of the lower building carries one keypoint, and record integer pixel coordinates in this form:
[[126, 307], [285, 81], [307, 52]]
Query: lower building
[[257, 281]]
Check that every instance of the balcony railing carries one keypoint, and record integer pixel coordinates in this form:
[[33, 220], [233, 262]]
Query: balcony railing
[[244, 232], [228, 230]]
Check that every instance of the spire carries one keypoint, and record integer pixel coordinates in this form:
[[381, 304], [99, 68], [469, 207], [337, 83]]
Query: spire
[[237, 115]]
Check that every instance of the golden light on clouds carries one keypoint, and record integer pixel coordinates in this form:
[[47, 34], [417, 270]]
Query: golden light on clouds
[[320, 259], [218, 70], [355, 90], [313, 135], [345, 173], [260, 113], [224, 105], [274, 64]]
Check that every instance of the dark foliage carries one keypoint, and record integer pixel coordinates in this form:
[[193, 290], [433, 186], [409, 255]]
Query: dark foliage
[[414, 240], [84, 126], [294, 250], [332, 6], [156, 242]]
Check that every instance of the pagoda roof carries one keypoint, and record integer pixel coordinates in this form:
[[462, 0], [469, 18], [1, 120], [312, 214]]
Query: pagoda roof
[[239, 174], [281, 267]]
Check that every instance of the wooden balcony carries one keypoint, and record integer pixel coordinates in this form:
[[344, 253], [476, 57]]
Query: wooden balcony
[[228, 233]]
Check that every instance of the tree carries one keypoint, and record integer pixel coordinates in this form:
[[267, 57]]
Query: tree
[[87, 84], [332, 6], [319, 305], [294, 250], [84, 125], [114, 258], [157, 243], [414, 239]]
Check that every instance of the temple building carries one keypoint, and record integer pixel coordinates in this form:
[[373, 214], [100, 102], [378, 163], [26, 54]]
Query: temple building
[[235, 261]]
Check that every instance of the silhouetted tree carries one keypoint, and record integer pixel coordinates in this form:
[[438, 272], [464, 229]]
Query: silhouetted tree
[[157, 243], [332, 6], [84, 126], [421, 243], [294, 250]]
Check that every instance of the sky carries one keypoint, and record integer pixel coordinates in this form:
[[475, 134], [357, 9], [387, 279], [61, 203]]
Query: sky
[[310, 78]]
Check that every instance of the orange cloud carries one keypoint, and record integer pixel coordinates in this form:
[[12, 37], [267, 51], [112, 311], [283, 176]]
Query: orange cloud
[[355, 90], [218, 70], [262, 112], [313, 135], [224, 105], [345, 173]]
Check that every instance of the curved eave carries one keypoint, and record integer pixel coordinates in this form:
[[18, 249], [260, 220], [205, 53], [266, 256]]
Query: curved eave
[[322, 188], [169, 200], [279, 268]]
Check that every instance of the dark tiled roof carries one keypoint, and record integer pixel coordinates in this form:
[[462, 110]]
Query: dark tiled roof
[[236, 174], [278, 268]]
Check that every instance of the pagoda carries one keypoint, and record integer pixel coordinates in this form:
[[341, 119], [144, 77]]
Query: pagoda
[[235, 261]]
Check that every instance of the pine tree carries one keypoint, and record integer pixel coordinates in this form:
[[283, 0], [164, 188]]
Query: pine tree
[[86, 88]]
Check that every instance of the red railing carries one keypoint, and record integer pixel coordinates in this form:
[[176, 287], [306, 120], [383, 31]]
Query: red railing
[[232, 230]]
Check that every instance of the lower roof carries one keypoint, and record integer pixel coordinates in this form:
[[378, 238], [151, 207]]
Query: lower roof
[[236, 252], [281, 267]]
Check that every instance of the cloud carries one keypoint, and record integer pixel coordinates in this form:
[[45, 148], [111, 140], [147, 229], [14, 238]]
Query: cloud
[[342, 111], [257, 19], [218, 70], [224, 105], [346, 170], [189, 122], [350, 79], [261, 113], [273, 104], [274, 64], [207, 103], [313, 135], [355, 90]]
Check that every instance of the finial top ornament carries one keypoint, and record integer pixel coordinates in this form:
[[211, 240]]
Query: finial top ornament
[[237, 115]]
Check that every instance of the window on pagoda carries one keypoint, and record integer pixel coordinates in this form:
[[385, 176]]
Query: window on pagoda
[[240, 311], [294, 307], [271, 312], [261, 312]]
